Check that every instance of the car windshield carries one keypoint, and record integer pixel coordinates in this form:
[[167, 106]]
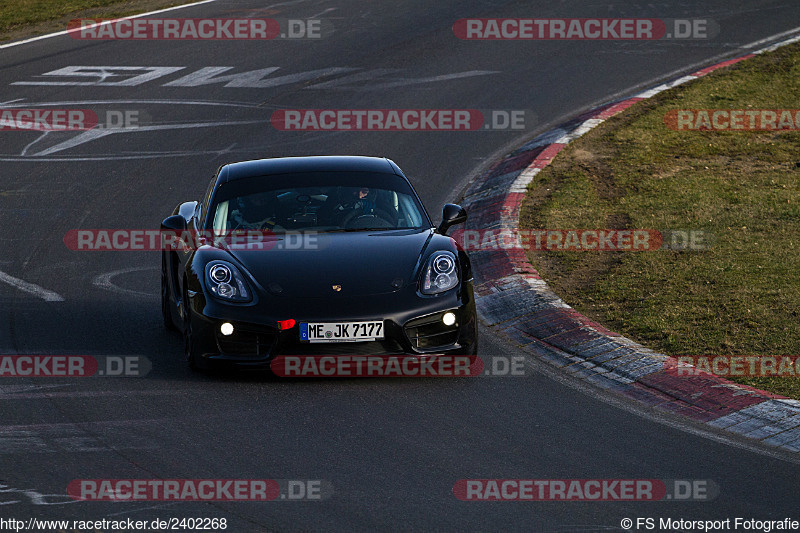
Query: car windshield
[[319, 202]]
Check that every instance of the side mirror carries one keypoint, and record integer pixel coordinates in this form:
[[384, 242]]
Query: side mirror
[[174, 223], [452, 214]]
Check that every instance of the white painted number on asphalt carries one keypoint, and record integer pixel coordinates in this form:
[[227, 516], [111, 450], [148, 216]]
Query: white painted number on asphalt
[[127, 76]]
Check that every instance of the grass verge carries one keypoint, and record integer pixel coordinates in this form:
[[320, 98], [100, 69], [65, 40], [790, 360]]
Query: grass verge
[[740, 296], [24, 18]]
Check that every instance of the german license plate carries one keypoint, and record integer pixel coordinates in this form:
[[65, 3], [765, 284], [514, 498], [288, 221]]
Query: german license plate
[[341, 331]]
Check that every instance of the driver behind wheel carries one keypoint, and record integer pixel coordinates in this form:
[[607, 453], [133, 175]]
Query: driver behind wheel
[[344, 202], [364, 201], [356, 203], [348, 204], [255, 211]]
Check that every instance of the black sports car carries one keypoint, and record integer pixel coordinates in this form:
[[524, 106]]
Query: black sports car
[[352, 265]]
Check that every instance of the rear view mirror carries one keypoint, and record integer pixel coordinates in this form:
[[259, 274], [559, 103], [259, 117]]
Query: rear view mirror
[[452, 214], [174, 223]]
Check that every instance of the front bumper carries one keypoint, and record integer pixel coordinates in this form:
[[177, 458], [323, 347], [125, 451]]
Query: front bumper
[[410, 327]]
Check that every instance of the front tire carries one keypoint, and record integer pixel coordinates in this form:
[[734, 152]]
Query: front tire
[[190, 346], [166, 307]]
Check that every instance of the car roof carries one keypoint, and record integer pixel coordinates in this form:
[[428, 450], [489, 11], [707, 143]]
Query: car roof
[[288, 165]]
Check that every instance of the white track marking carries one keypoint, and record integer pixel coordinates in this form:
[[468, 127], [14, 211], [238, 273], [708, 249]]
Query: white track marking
[[323, 12], [403, 82], [140, 509], [39, 138], [117, 102], [124, 394], [32, 496], [79, 139], [84, 437], [148, 155], [95, 134], [65, 32], [103, 281], [102, 73], [13, 389], [31, 288], [771, 38]]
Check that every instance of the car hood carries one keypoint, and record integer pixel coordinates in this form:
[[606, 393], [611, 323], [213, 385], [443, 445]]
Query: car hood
[[360, 263]]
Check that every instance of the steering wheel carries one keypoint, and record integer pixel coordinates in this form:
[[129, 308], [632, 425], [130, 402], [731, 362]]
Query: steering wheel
[[255, 226], [379, 218]]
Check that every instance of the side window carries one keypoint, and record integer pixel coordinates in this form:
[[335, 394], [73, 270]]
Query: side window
[[409, 215], [206, 199], [221, 224]]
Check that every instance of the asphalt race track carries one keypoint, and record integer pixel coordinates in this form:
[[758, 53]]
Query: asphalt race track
[[390, 450]]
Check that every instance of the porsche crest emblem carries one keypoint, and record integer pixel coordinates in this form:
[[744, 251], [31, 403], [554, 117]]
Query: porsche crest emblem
[[337, 288]]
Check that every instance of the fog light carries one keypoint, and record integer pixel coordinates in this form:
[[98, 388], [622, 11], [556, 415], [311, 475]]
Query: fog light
[[226, 329], [449, 318]]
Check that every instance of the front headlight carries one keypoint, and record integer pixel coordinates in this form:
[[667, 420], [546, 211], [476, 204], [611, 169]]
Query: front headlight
[[226, 282], [441, 273]]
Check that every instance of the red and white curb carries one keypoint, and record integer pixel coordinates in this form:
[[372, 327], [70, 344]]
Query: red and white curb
[[514, 300]]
